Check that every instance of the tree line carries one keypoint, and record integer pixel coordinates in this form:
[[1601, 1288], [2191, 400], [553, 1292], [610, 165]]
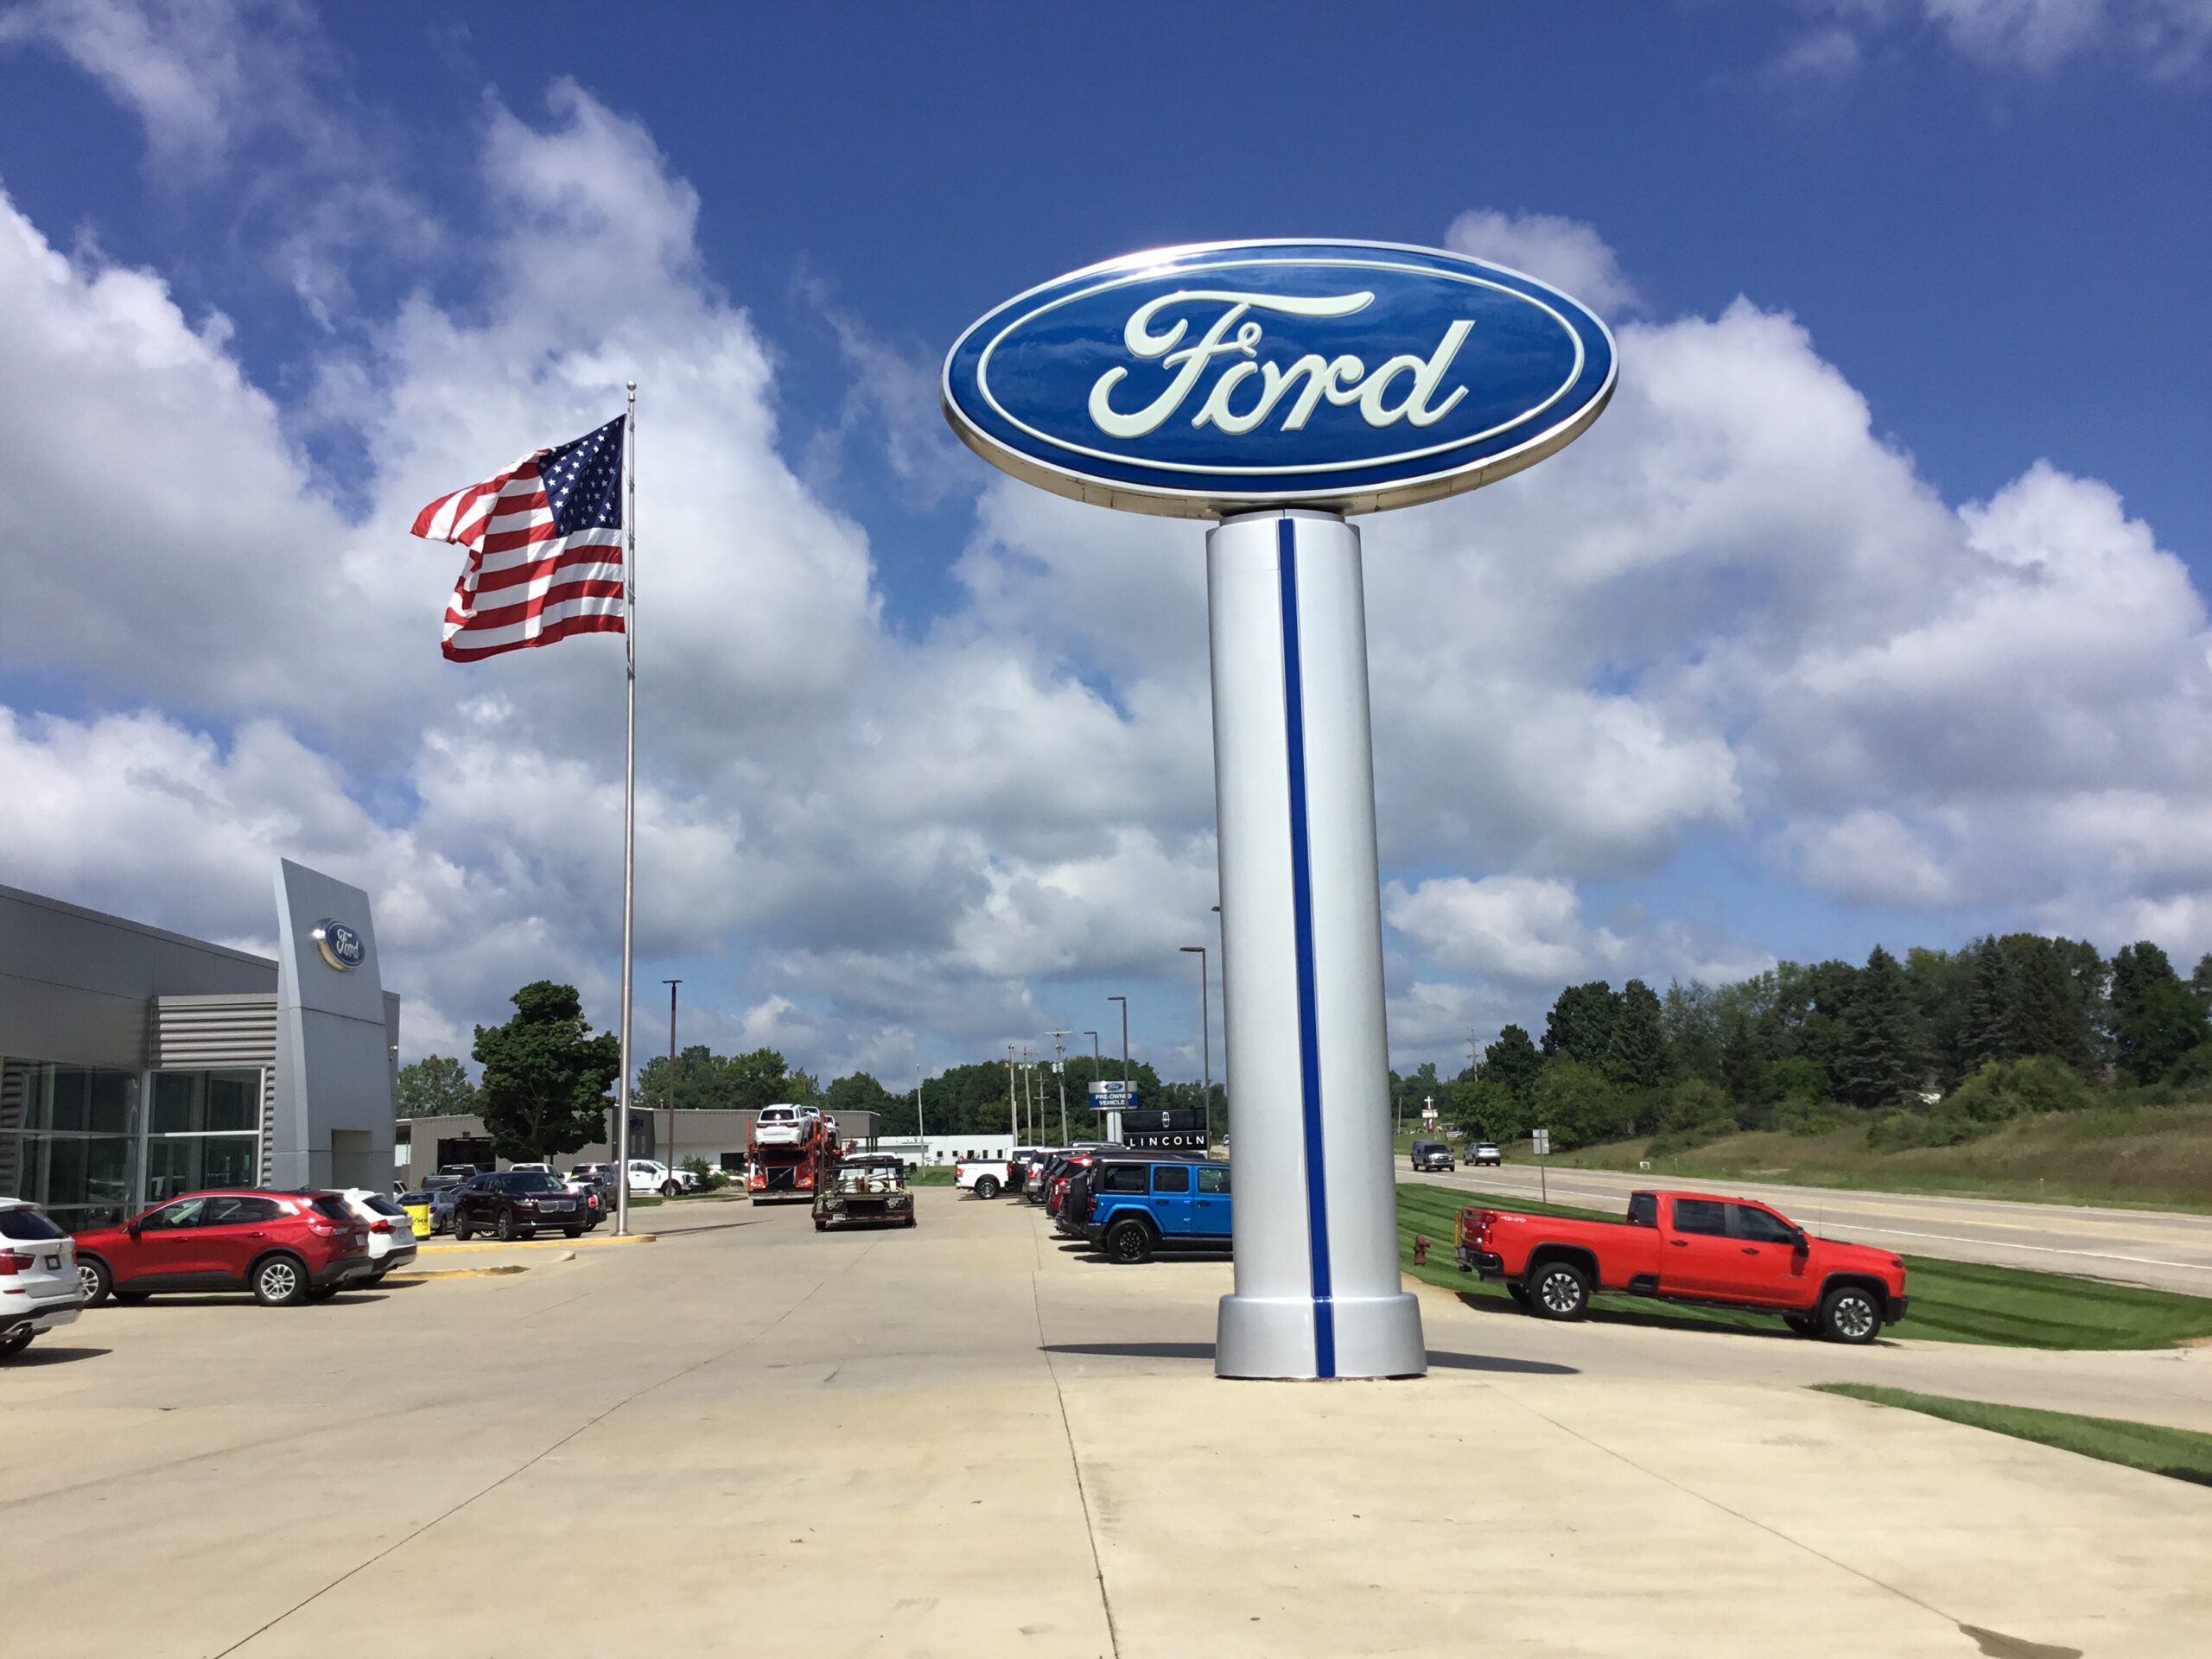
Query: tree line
[[548, 1081], [1934, 1048]]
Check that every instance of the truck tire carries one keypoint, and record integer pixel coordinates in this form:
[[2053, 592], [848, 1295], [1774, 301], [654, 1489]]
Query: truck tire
[[987, 1187], [1129, 1242], [1851, 1313], [1559, 1290], [462, 1230]]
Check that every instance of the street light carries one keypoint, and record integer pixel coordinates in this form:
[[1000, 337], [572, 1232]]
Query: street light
[[668, 1094], [1114, 1118], [1206, 1027]]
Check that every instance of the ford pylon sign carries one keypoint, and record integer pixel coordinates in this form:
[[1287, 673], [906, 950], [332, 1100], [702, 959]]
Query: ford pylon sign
[[1225, 377]]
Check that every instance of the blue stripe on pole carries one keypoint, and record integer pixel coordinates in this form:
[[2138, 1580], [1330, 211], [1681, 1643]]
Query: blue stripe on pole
[[1301, 898]]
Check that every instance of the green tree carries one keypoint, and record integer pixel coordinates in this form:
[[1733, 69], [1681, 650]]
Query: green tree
[[1992, 1028], [545, 1077], [2156, 1022], [2052, 1018], [434, 1086], [1695, 1106], [1512, 1063], [1580, 1026], [1879, 1059], [1636, 1053], [1484, 1108], [859, 1092], [1580, 1105], [1691, 1013]]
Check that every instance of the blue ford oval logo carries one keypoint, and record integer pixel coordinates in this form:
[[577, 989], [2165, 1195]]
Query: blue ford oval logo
[[1203, 380], [339, 945]]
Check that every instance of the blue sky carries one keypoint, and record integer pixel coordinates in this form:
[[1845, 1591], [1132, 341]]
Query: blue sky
[[1816, 723]]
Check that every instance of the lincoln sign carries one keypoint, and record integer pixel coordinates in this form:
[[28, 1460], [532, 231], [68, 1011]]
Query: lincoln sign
[[1278, 386], [1204, 380]]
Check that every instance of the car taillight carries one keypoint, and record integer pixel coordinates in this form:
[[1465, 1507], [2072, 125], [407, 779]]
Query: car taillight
[[11, 1260], [379, 1226]]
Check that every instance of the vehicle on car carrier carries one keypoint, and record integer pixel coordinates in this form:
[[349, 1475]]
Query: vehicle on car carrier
[[787, 1150], [1689, 1246]]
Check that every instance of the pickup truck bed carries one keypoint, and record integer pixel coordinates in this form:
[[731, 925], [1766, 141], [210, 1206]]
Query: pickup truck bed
[[1687, 1247]]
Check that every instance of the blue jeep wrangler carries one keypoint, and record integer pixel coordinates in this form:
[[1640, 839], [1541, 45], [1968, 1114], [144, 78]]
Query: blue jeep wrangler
[[1138, 1205]]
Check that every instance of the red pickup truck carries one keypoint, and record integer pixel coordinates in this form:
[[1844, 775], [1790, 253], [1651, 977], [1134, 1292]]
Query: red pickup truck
[[1689, 1246]]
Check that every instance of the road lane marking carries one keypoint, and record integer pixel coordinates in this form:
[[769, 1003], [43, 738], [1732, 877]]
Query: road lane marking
[[2047, 1250]]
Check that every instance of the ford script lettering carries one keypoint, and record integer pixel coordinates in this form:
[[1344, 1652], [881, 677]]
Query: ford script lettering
[[1205, 380]]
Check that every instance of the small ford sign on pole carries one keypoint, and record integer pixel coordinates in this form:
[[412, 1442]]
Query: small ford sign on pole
[[1276, 387]]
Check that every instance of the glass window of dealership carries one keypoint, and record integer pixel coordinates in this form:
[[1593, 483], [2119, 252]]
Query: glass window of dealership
[[92, 1143]]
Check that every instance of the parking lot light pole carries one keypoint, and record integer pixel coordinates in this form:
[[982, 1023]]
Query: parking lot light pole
[[1114, 1118], [668, 1093], [1205, 1024]]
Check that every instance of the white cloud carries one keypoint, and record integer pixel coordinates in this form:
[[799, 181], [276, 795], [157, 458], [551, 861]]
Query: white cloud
[[1732, 613], [1565, 253], [1517, 927], [2167, 39]]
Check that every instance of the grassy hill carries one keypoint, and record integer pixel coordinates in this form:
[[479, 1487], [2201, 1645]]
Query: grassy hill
[[2156, 1157]]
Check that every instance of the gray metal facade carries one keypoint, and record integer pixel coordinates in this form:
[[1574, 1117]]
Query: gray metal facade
[[172, 1045]]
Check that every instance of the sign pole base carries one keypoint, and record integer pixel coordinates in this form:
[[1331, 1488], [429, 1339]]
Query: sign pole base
[[1318, 1292]]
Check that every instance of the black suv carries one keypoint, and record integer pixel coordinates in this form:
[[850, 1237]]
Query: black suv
[[515, 1203], [1431, 1154]]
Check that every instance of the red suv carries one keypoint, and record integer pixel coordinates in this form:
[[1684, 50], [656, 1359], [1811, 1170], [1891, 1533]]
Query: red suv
[[283, 1246]]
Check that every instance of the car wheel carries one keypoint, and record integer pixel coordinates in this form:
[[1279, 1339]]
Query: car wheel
[[668, 1189], [1560, 1290], [15, 1342], [1804, 1323], [280, 1281], [986, 1188], [1129, 1242], [93, 1280], [504, 1229], [573, 1232], [462, 1232], [1851, 1314], [820, 1225]]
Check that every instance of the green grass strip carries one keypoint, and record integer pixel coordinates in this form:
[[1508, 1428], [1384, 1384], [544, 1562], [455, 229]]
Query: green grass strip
[[2180, 1453], [1952, 1301]]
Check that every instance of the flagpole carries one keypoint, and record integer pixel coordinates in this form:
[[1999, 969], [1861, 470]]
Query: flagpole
[[629, 799]]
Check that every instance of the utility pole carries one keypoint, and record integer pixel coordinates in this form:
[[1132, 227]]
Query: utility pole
[[1097, 1064], [669, 1093], [1060, 1071], [1471, 1063], [1013, 1111], [1028, 1098], [921, 1132]]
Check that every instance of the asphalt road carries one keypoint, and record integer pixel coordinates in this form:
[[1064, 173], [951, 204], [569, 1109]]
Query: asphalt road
[[970, 1440], [2136, 1246]]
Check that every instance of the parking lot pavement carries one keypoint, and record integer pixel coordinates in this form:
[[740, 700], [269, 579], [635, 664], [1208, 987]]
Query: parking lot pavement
[[2164, 1249], [966, 1440]]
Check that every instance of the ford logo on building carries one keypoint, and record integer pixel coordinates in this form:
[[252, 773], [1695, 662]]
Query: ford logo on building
[[339, 945], [1205, 380]]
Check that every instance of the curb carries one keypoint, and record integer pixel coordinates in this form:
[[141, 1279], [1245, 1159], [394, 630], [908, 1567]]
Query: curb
[[429, 1273], [544, 1243]]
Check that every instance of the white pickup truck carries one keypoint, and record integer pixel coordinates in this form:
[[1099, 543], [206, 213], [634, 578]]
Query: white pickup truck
[[985, 1176]]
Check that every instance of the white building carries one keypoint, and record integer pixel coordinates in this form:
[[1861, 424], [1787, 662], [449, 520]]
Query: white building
[[944, 1148]]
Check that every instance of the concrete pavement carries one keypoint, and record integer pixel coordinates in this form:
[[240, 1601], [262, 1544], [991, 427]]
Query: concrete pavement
[[2161, 1248], [967, 1439]]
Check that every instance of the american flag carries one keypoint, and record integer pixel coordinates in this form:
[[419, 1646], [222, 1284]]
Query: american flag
[[544, 542]]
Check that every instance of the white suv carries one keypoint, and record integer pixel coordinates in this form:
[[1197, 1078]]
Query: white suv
[[38, 1276]]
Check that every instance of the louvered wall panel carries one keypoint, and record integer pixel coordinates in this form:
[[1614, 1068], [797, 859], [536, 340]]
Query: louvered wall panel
[[206, 1033]]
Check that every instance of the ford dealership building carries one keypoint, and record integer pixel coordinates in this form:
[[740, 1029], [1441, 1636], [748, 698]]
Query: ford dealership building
[[136, 1064]]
